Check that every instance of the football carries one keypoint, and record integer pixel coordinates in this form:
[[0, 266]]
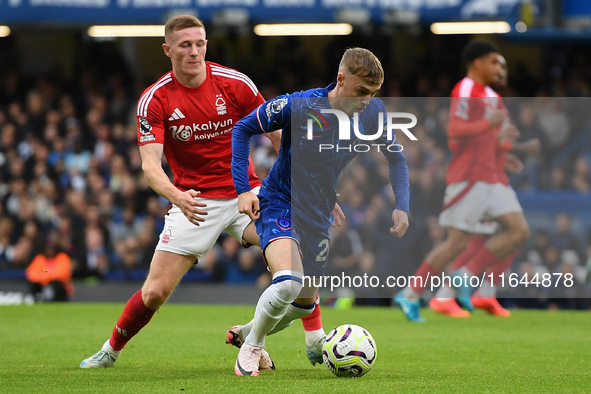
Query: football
[[349, 350]]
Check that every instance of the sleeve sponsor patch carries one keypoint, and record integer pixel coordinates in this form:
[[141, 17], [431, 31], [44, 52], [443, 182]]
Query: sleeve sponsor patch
[[147, 138], [275, 106], [145, 126], [463, 108]]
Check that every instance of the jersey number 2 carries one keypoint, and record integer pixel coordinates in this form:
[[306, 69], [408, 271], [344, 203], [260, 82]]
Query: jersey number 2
[[321, 256]]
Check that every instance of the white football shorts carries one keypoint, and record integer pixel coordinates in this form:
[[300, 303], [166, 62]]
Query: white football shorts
[[473, 207], [184, 238]]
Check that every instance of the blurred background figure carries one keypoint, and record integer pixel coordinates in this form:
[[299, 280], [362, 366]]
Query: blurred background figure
[[50, 274]]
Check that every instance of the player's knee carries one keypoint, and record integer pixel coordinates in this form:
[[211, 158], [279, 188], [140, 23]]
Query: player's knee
[[519, 231], [522, 234], [288, 287], [457, 241], [154, 296], [457, 245]]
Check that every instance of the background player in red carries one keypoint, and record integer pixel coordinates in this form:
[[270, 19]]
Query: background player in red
[[474, 191], [485, 297], [188, 116]]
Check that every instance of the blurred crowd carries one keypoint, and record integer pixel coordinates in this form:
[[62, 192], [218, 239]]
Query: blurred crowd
[[70, 169]]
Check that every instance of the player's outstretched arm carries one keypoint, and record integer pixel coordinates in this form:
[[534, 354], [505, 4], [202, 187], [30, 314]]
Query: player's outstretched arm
[[158, 180], [400, 182]]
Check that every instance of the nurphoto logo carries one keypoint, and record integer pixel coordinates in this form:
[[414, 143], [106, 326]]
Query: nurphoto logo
[[345, 130]]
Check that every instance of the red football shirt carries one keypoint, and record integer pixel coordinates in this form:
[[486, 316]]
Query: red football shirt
[[195, 126], [471, 140]]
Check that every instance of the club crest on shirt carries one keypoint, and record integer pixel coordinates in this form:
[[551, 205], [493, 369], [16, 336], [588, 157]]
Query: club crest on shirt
[[145, 126], [220, 105], [283, 224], [275, 106]]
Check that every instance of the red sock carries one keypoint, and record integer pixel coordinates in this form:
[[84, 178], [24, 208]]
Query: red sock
[[424, 271], [476, 242], [312, 322], [480, 261], [134, 317]]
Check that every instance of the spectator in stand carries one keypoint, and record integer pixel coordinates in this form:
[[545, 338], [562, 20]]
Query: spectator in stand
[[564, 239], [581, 176], [558, 181], [553, 122], [248, 269], [50, 274]]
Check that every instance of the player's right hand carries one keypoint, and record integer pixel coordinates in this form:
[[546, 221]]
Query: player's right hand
[[337, 214], [248, 203], [191, 207], [498, 116]]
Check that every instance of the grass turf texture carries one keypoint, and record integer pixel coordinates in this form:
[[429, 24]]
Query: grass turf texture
[[183, 350]]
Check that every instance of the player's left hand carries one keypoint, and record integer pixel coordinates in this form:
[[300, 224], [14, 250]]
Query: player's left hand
[[337, 214], [509, 133], [513, 164], [400, 219]]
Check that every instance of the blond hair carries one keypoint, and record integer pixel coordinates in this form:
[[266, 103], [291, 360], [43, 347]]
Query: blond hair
[[363, 64], [181, 22]]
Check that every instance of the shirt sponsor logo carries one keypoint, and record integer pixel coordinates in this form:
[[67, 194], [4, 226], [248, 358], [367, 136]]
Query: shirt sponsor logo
[[211, 129], [182, 132]]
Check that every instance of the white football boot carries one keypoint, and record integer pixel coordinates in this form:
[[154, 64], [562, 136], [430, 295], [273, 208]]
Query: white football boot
[[105, 358], [314, 352], [247, 362], [234, 337]]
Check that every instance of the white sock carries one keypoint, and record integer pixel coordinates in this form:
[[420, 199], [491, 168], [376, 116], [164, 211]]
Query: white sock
[[486, 290], [291, 315], [272, 305], [107, 348], [408, 292], [445, 293], [293, 312], [312, 337], [245, 329]]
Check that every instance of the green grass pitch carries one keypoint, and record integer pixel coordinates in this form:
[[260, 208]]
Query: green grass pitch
[[183, 350]]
